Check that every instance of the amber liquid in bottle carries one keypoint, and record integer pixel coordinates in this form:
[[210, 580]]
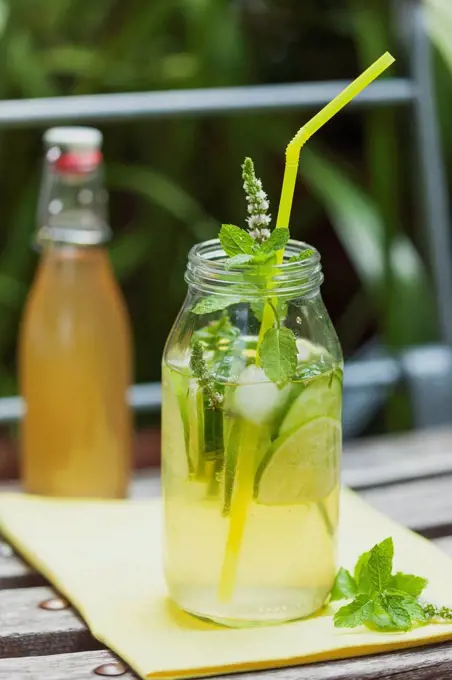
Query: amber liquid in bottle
[[75, 369]]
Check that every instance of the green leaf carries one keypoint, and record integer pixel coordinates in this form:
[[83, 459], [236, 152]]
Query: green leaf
[[276, 241], [439, 24], [130, 250], [361, 574], [278, 354], [353, 614], [304, 255], [393, 605], [4, 15], [407, 583], [236, 241], [217, 335], [362, 562], [361, 229], [214, 303], [74, 60], [380, 564], [345, 586], [378, 618], [257, 307], [262, 257], [414, 609], [160, 190], [238, 260]]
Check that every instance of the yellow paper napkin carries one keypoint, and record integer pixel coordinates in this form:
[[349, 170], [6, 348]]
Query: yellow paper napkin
[[105, 557]]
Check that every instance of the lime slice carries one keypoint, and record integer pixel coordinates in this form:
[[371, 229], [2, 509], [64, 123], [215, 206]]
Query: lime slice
[[320, 397], [205, 434], [180, 383], [301, 466]]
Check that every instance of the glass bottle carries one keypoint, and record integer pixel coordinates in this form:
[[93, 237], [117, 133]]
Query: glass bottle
[[250, 464], [75, 346]]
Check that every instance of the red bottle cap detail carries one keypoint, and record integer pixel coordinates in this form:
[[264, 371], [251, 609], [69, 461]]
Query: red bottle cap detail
[[78, 162]]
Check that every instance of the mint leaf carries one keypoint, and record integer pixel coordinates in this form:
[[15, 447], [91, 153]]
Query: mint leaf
[[304, 255], [414, 609], [379, 564], [345, 586], [214, 303], [353, 614], [257, 307], [217, 335], [276, 241], [261, 257], [407, 583], [361, 574], [385, 601], [378, 618], [238, 260], [393, 605], [278, 354], [236, 241]]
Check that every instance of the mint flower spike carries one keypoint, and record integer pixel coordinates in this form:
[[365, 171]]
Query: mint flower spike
[[258, 203]]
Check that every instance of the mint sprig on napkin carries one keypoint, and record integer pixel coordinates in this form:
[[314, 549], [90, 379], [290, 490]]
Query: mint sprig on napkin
[[382, 600]]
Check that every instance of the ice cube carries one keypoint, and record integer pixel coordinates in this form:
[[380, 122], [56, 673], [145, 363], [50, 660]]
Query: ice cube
[[306, 350], [256, 397]]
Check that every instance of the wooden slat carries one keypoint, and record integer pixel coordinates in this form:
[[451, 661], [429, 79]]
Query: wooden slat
[[366, 463], [444, 544], [428, 663], [424, 505], [390, 459], [378, 467], [27, 630], [421, 663], [78, 666], [14, 573]]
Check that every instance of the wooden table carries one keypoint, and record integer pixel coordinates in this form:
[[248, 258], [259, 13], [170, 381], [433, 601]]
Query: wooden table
[[408, 477]]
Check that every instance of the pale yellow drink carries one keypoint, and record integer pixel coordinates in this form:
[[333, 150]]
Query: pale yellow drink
[[285, 462]]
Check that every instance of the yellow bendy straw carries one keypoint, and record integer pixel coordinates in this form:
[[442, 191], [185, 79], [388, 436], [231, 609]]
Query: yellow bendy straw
[[311, 127], [244, 477]]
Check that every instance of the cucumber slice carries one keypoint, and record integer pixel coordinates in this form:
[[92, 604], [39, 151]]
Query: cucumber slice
[[205, 432], [173, 428], [179, 386]]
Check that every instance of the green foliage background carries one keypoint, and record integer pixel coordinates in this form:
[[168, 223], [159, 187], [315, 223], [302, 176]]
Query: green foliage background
[[173, 181]]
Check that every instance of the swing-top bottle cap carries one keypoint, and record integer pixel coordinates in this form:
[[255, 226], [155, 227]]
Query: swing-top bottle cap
[[73, 151], [73, 201], [74, 137]]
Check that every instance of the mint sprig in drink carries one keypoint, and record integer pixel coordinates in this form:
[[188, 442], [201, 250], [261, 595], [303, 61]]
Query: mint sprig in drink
[[252, 391]]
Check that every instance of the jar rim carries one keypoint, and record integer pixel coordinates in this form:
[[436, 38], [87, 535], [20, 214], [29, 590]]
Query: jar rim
[[208, 271], [198, 256]]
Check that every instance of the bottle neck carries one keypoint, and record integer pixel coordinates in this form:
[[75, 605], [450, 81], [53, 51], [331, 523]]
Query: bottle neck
[[207, 272], [73, 202]]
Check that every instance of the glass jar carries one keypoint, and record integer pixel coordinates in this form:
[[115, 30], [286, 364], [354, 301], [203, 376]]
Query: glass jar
[[251, 441]]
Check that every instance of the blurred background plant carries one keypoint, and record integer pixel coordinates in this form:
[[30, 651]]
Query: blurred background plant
[[173, 181]]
